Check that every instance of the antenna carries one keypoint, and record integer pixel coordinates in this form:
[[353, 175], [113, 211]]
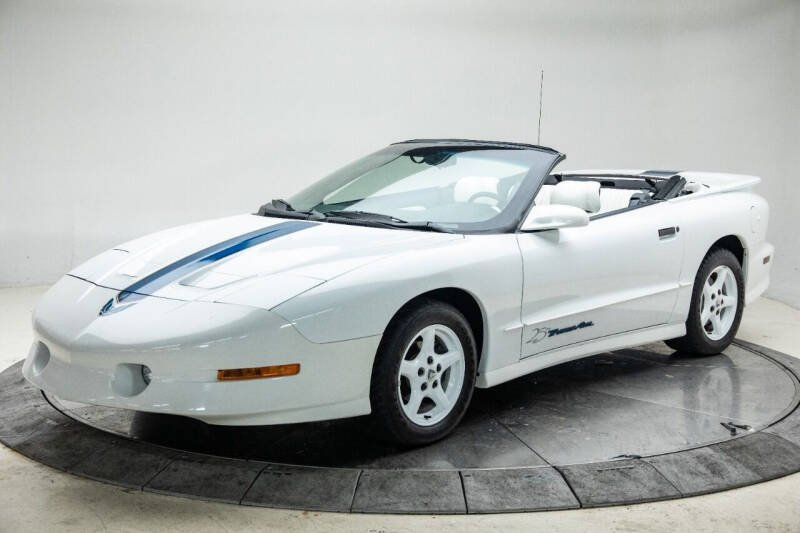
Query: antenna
[[541, 88]]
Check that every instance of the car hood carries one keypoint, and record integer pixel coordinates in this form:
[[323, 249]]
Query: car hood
[[245, 259]]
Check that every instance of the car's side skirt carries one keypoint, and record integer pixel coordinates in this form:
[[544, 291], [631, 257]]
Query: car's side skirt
[[579, 350]]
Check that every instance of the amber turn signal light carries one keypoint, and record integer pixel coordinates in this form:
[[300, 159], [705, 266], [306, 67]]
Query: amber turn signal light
[[258, 372]]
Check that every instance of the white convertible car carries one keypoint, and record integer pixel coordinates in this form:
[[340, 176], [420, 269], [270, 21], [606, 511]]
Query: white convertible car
[[399, 283]]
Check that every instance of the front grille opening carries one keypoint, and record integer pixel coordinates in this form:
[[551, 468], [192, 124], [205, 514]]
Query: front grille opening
[[41, 356]]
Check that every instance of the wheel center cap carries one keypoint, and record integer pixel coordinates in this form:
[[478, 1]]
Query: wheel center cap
[[431, 374]]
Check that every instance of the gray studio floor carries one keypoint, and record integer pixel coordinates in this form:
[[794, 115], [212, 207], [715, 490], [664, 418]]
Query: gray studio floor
[[39, 498]]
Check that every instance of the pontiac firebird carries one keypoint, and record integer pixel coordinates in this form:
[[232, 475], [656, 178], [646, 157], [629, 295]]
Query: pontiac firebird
[[401, 282]]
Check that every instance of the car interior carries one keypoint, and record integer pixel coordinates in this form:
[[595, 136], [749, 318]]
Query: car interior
[[604, 195], [475, 198]]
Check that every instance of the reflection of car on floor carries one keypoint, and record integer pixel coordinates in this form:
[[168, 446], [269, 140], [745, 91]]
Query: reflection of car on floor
[[399, 283]]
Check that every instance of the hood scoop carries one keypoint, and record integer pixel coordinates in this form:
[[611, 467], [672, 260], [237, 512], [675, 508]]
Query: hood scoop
[[210, 279]]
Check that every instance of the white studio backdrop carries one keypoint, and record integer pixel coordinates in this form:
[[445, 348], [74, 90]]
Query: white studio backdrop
[[121, 118]]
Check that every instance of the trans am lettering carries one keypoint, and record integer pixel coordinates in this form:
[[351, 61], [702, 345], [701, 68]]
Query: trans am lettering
[[539, 334]]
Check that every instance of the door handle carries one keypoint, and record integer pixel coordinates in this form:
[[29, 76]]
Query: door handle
[[667, 233]]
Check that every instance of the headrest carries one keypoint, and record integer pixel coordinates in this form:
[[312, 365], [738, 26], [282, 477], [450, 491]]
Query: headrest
[[582, 194]]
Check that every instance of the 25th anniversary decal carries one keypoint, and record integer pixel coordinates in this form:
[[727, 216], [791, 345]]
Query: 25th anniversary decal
[[539, 334]]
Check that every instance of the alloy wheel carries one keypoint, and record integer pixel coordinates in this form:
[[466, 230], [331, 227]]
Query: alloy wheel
[[431, 375], [719, 302]]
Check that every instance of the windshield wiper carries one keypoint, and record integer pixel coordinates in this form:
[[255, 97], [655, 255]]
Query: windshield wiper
[[387, 220], [282, 208], [365, 214], [423, 226], [280, 203]]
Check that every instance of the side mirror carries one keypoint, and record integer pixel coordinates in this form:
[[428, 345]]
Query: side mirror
[[542, 217]]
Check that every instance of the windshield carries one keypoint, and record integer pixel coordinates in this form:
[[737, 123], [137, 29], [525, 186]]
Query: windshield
[[466, 187]]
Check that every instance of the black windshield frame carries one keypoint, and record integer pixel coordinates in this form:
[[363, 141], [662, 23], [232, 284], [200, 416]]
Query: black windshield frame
[[542, 161]]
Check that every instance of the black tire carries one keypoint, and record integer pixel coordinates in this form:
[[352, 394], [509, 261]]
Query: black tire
[[388, 415], [696, 341]]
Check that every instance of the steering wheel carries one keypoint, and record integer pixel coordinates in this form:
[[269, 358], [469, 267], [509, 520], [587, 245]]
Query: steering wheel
[[484, 194]]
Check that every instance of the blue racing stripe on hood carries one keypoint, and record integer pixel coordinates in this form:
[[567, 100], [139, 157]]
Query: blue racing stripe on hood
[[183, 267]]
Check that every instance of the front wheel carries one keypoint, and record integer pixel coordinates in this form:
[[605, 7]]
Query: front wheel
[[424, 374], [717, 305]]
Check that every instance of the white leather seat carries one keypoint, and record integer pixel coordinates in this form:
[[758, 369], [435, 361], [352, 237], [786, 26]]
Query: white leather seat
[[581, 194], [614, 199]]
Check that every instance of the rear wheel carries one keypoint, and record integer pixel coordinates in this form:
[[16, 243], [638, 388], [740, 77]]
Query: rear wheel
[[717, 305], [424, 374]]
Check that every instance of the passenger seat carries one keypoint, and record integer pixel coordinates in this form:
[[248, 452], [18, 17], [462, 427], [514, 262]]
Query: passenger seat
[[581, 194]]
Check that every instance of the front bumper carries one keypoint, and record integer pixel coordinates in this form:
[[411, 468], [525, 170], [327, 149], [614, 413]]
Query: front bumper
[[80, 356]]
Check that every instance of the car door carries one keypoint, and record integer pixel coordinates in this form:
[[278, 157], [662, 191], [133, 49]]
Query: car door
[[617, 274]]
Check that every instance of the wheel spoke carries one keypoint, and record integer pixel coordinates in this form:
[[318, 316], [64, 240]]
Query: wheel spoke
[[721, 277], [410, 370], [449, 359], [729, 278], [716, 324], [728, 302], [720, 281], [705, 314], [708, 290], [428, 341], [414, 401], [439, 398]]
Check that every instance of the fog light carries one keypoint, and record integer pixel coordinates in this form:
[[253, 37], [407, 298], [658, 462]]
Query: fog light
[[146, 374], [258, 372], [129, 379]]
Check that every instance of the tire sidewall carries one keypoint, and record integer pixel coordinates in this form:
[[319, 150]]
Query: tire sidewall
[[383, 394], [714, 259]]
